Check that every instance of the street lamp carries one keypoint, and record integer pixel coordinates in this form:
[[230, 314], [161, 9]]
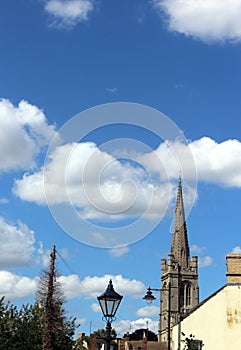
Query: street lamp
[[109, 302], [149, 297]]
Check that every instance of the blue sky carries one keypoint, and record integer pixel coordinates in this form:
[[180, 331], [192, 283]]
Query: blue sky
[[61, 61]]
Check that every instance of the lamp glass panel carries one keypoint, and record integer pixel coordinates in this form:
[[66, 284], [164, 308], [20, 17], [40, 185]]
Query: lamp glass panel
[[115, 306], [103, 306], [110, 305]]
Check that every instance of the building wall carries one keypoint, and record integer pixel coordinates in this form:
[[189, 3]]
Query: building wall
[[150, 345], [217, 321]]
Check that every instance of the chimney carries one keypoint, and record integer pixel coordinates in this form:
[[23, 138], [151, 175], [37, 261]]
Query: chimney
[[233, 262]]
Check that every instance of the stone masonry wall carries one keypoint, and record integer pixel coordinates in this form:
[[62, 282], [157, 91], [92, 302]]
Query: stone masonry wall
[[233, 262]]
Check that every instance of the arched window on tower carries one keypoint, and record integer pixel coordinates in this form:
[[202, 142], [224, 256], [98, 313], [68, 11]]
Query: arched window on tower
[[188, 294], [164, 296], [181, 295], [185, 295]]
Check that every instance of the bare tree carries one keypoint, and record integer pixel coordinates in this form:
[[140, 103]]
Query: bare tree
[[57, 330]]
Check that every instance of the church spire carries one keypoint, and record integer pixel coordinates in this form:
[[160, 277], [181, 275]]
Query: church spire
[[179, 275], [180, 247]]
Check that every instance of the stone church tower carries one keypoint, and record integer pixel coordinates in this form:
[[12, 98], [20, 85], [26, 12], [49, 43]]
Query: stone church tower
[[179, 282]]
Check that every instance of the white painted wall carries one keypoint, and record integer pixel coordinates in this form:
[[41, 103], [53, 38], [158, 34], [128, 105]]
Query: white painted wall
[[217, 322]]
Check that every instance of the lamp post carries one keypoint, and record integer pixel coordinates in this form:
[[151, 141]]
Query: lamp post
[[149, 297], [109, 302]]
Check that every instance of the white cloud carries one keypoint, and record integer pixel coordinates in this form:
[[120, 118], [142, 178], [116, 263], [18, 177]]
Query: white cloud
[[218, 162], [118, 252], [96, 183], [72, 286], [236, 250], [31, 188], [140, 14], [197, 249], [179, 86], [95, 307], [81, 321], [148, 311], [68, 12], [111, 90], [43, 255], [17, 245], [91, 287], [101, 187], [125, 326], [214, 162], [205, 261], [16, 287], [4, 201], [206, 20], [27, 126]]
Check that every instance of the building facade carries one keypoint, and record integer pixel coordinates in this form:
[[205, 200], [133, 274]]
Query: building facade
[[216, 321], [179, 281]]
